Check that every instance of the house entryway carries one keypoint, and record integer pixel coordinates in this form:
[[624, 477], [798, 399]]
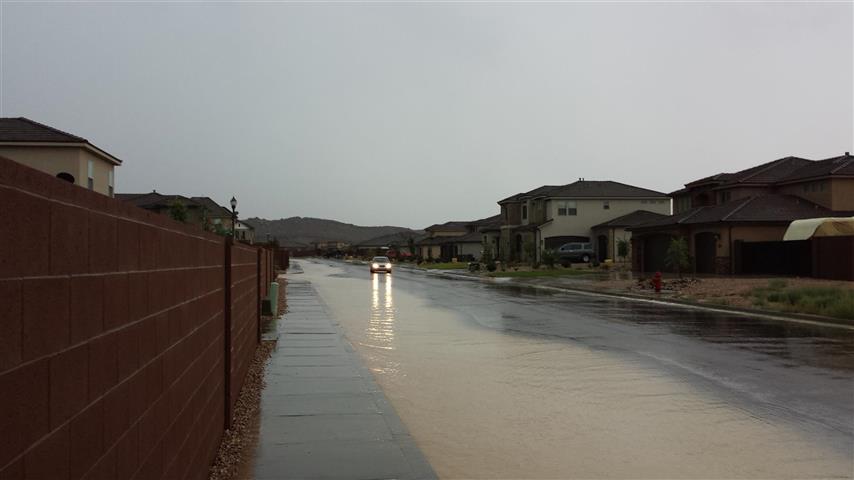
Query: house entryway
[[602, 247], [705, 248]]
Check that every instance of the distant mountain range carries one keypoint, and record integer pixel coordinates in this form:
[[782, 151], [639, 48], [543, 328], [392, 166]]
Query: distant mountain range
[[297, 231]]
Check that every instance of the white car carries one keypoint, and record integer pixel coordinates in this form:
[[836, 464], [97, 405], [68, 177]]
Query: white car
[[381, 264]]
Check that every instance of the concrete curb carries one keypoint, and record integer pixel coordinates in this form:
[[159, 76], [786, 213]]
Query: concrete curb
[[768, 314]]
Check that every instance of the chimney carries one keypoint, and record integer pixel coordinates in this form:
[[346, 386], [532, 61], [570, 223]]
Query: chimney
[[847, 154]]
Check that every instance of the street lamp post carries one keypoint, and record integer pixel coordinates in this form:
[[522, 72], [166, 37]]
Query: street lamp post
[[233, 216]]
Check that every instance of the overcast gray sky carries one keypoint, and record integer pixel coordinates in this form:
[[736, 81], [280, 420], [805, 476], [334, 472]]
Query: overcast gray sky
[[412, 114]]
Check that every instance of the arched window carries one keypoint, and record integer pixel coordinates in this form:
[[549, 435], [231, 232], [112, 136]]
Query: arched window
[[65, 176]]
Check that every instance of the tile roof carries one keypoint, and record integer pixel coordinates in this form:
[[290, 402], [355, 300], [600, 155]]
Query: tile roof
[[716, 178], [772, 208], [488, 222], [453, 226], [602, 189], [153, 200], [842, 165], [587, 189], [631, 219], [24, 130], [212, 206], [767, 173], [511, 198]]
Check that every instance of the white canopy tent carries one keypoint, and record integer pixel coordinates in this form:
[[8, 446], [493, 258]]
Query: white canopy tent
[[819, 227]]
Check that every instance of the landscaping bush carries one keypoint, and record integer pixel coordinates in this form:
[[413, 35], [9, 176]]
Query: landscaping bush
[[623, 248], [677, 256], [549, 258]]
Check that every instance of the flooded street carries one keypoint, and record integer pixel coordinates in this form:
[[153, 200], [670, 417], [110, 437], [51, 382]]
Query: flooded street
[[506, 382]]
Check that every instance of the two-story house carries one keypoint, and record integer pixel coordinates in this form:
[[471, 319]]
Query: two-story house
[[735, 222], [58, 153], [458, 239], [549, 216]]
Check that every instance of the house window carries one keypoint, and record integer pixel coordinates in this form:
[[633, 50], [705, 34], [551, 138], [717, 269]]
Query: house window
[[567, 208], [91, 181], [524, 212], [110, 185], [606, 205]]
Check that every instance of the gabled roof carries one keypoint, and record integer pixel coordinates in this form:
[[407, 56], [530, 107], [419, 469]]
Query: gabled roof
[[767, 173], [841, 166], [783, 170], [587, 189], [717, 178], [772, 208], [452, 226], [488, 223], [632, 219], [511, 198], [602, 189], [155, 200], [24, 130], [213, 207]]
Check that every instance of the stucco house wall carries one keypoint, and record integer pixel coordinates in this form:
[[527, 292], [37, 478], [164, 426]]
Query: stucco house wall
[[592, 212], [56, 160]]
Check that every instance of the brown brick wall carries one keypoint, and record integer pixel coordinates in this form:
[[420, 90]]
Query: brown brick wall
[[112, 329]]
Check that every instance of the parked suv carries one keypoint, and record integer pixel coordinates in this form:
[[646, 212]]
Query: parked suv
[[574, 252]]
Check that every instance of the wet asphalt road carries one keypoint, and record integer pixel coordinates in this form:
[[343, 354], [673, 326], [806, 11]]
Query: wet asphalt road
[[497, 380]]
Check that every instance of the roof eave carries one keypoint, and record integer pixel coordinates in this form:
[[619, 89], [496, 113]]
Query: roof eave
[[84, 145]]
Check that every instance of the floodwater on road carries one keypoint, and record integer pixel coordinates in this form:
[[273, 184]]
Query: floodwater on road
[[507, 383]]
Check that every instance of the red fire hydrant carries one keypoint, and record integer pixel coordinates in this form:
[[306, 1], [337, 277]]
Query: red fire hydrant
[[656, 282]]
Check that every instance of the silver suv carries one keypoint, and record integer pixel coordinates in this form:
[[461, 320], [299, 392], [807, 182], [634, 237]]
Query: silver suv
[[574, 252]]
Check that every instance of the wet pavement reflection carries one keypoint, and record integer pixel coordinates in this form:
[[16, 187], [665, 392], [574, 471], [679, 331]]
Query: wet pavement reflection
[[503, 381]]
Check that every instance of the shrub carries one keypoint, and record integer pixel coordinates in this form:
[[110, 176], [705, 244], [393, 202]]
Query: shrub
[[623, 248], [677, 256], [486, 258], [531, 252], [549, 258]]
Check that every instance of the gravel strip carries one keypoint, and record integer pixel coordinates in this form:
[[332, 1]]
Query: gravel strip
[[232, 450], [233, 459]]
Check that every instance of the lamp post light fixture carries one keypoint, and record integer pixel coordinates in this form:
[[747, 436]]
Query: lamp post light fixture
[[233, 216]]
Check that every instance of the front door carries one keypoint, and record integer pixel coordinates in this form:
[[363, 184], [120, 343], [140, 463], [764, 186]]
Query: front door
[[705, 245], [602, 247]]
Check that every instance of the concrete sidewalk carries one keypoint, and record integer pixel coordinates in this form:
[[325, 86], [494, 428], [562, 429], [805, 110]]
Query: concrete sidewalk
[[322, 414]]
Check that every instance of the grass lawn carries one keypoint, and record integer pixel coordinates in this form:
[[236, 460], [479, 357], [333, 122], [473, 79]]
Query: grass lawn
[[557, 272], [444, 266], [827, 301]]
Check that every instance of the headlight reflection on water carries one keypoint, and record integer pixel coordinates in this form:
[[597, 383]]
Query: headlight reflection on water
[[380, 329]]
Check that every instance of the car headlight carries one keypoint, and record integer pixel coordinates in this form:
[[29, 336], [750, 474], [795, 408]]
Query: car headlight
[[376, 265], [387, 265]]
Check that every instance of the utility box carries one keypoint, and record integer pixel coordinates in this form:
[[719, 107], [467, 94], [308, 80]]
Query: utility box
[[274, 299]]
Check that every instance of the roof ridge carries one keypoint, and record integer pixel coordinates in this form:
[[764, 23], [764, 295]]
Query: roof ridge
[[768, 166], [844, 164], [25, 119], [744, 204]]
